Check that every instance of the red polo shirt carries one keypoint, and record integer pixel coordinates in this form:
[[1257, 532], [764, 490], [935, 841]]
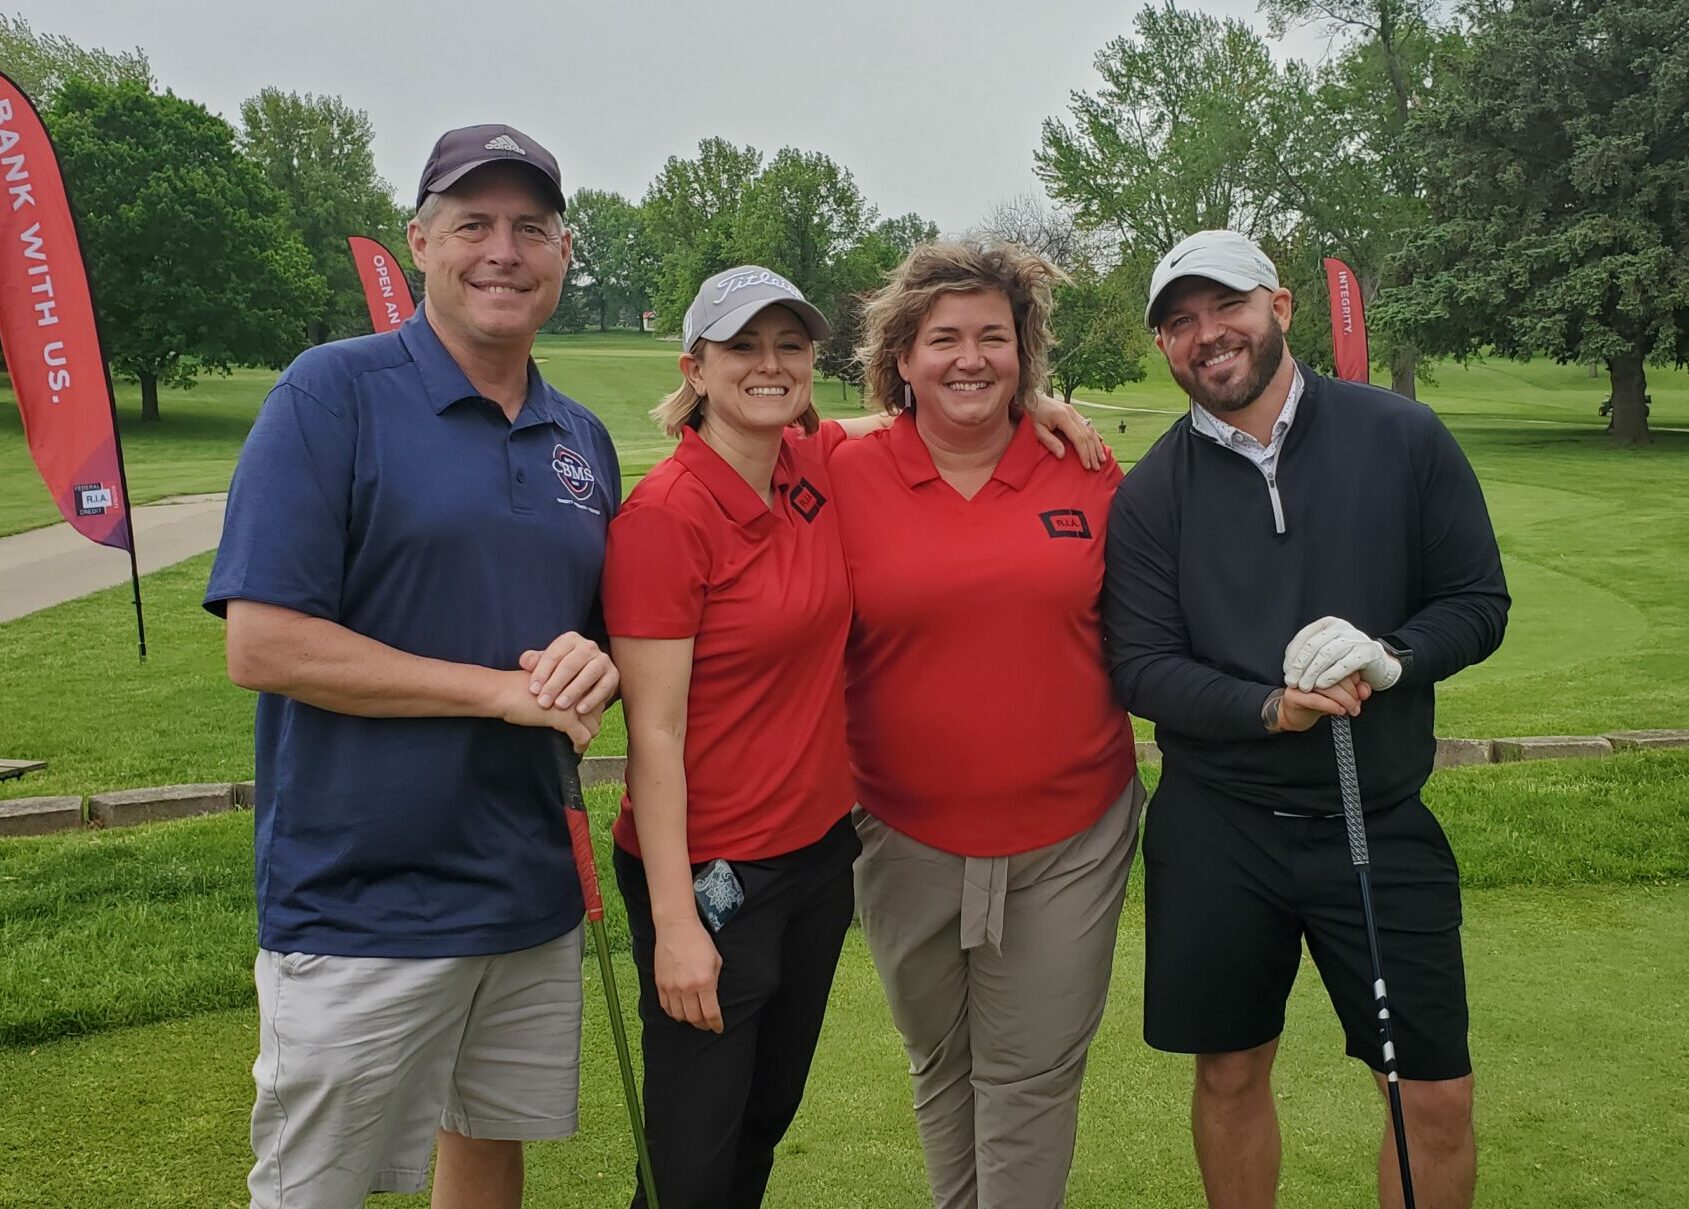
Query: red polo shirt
[[981, 719], [695, 553]]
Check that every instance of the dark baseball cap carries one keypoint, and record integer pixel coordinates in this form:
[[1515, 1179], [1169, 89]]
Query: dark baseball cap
[[459, 152]]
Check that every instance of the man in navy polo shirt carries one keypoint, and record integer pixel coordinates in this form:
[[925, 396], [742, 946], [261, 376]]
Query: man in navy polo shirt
[[409, 568]]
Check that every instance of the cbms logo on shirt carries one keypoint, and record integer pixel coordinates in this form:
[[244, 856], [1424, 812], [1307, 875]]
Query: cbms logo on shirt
[[1066, 522], [575, 473]]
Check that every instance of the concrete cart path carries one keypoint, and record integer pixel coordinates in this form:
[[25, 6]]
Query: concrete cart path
[[45, 567]]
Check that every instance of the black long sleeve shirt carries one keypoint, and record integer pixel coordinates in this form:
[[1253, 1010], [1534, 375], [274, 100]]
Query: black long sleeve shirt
[[1384, 526]]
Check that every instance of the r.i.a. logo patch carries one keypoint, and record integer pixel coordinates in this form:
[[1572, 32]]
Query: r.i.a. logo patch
[[1066, 522], [806, 500]]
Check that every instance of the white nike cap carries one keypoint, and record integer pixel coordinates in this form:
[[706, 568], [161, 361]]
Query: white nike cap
[[1233, 260]]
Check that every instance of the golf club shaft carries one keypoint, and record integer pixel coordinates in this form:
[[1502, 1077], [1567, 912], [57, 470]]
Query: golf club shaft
[[1354, 821], [630, 1090], [586, 869]]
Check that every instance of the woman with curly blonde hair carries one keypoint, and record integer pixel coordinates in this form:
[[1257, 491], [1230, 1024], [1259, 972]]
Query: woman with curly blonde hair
[[999, 801]]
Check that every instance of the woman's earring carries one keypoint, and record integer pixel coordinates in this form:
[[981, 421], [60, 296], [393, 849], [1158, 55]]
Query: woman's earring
[[908, 398]]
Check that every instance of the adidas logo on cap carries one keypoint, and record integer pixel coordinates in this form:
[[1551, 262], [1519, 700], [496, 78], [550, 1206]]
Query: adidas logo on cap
[[505, 143]]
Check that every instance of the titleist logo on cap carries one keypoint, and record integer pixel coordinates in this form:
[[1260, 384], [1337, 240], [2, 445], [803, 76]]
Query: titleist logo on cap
[[505, 143], [739, 281]]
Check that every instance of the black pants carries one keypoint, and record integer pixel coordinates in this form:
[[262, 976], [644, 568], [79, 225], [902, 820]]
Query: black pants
[[716, 1105]]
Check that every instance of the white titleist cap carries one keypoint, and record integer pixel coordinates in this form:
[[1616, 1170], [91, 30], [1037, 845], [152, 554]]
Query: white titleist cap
[[1233, 260], [729, 300]]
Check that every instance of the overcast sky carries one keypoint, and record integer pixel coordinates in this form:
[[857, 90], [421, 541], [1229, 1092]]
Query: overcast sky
[[934, 106]]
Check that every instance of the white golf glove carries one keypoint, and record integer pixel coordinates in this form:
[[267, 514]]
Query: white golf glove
[[1325, 651]]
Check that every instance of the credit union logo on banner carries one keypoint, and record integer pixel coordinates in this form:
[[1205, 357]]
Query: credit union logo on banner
[[92, 499]]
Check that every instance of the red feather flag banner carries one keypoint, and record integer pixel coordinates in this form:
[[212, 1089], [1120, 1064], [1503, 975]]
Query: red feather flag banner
[[1348, 321], [385, 288], [51, 341]]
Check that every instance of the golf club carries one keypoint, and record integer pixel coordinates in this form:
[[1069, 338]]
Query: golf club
[[586, 868], [1350, 783]]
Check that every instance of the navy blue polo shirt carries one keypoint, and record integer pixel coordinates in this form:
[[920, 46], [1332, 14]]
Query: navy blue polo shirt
[[378, 490]]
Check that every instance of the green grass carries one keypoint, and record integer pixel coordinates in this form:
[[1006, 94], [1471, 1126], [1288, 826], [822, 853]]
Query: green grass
[[100, 929], [1562, 822], [1577, 998]]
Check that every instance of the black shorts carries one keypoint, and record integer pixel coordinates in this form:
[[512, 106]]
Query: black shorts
[[1230, 891]]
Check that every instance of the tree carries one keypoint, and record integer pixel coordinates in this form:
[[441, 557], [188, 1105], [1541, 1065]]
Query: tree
[[610, 249], [1051, 233], [315, 153], [194, 265], [835, 357], [576, 310], [799, 217], [690, 212], [1341, 157], [802, 216], [899, 236], [41, 63], [1100, 336], [857, 273], [1560, 194], [1174, 141]]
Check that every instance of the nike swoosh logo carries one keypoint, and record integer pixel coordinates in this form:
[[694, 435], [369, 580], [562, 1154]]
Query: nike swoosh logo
[[1175, 261]]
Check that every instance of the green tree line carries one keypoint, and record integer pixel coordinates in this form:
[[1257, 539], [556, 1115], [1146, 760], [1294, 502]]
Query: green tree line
[[1506, 178]]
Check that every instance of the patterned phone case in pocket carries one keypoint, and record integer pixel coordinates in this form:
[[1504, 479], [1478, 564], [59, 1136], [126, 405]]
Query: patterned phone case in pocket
[[719, 894]]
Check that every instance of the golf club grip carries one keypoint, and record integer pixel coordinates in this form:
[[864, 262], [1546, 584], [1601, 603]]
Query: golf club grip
[[1349, 782], [580, 829]]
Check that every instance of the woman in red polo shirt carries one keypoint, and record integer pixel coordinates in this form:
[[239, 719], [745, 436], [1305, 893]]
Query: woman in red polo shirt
[[728, 605], [996, 773]]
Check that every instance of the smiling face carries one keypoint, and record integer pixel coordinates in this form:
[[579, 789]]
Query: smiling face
[[964, 365], [1223, 346], [758, 379], [494, 253]]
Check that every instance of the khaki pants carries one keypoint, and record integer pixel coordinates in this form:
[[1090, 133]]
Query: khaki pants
[[997, 970]]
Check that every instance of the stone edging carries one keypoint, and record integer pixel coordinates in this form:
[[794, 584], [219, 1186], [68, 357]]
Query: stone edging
[[123, 808]]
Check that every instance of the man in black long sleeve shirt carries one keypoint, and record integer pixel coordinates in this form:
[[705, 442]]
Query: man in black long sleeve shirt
[[1296, 547]]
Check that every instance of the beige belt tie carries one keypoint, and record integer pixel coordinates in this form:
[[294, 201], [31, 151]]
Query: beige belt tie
[[985, 885]]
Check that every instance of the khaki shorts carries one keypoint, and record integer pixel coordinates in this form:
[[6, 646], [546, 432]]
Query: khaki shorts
[[361, 1059]]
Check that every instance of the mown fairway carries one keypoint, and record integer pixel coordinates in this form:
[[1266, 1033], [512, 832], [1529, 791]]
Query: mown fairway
[[126, 1026]]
